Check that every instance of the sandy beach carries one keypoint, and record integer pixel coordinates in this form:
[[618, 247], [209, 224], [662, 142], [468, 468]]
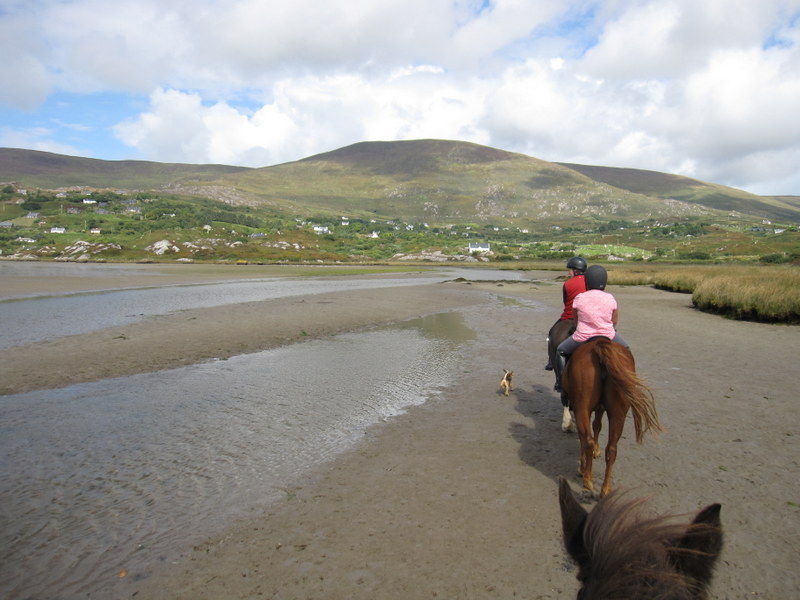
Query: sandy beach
[[458, 498]]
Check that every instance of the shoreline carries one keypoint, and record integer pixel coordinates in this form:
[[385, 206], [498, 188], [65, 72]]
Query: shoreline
[[457, 498], [198, 335]]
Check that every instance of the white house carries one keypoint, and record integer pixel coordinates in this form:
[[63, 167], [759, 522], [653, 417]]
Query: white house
[[480, 247], [58, 230], [321, 229]]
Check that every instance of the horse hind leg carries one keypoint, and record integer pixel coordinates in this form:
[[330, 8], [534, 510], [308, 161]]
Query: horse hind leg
[[587, 451], [616, 422], [597, 425]]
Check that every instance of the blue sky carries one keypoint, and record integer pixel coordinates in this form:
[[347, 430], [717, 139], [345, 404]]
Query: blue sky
[[708, 89]]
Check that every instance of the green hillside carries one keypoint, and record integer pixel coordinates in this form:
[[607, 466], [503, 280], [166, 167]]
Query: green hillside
[[420, 200], [52, 171], [693, 191], [444, 182], [434, 181]]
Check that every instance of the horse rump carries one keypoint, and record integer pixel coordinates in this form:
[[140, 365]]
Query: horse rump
[[619, 372]]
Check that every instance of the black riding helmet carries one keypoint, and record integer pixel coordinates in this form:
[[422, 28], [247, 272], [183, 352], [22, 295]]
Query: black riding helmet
[[577, 263], [596, 278]]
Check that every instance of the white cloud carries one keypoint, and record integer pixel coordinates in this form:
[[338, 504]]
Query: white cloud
[[26, 83], [306, 116], [37, 138]]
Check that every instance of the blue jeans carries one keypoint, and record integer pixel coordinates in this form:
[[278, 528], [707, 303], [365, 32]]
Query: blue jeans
[[569, 345]]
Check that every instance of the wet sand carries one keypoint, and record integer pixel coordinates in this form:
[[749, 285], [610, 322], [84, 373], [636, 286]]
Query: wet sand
[[458, 498]]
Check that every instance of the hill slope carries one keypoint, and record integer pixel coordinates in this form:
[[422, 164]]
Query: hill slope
[[686, 189], [443, 181], [435, 181], [51, 171]]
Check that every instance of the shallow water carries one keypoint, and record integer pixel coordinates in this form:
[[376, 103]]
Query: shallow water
[[40, 318], [45, 318], [121, 473]]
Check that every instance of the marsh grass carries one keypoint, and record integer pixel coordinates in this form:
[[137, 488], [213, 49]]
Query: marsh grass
[[757, 293]]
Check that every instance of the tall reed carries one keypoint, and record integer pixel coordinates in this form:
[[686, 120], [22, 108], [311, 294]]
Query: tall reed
[[758, 293]]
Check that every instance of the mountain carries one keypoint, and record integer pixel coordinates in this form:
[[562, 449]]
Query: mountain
[[435, 181], [46, 170], [693, 191]]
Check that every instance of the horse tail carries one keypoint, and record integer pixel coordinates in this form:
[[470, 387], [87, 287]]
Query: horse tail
[[619, 366]]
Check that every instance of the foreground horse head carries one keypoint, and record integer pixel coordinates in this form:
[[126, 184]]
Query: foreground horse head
[[601, 377], [624, 554]]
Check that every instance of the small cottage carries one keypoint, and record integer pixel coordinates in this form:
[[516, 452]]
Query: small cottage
[[480, 247]]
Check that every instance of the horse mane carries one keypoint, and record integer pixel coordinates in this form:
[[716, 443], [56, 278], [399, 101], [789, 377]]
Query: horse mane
[[634, 555], [616, 359]]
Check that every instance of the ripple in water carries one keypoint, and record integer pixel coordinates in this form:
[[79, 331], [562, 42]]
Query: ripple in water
[[125, 472]]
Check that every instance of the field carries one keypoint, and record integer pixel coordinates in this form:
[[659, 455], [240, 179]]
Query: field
[[758, 293]]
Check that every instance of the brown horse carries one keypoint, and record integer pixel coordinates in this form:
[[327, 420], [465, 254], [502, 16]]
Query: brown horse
[[623, 553], [601, 377], [557, 334]]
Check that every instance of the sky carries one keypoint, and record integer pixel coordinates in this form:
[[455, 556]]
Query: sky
[[704, 88]]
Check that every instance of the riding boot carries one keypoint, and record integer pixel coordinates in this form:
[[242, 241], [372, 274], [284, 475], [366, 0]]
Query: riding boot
[[561, 363], [549, 365]]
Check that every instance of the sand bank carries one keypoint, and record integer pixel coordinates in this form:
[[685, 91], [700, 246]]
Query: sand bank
[[457, 498]]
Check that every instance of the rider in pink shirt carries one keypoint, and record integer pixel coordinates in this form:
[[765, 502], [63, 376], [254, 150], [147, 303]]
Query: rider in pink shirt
[[596, 311]]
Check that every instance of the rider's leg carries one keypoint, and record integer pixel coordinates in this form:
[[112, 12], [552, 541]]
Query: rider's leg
[[561, 363], [549, 365], [618, 339], [564, 349]]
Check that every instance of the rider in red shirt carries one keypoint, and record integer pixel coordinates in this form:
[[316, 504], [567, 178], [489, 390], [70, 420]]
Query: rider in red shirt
[[572, 287]]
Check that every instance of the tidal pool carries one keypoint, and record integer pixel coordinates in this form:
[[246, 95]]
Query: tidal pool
[[127, 472]]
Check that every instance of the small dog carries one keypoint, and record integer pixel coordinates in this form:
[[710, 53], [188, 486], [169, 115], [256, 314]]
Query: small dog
[[505, 382]]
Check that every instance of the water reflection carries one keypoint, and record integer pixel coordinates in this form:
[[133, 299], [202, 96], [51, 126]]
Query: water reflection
[[125, 472]]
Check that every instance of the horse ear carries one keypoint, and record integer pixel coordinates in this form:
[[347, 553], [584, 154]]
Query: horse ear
[[573, 519], [695, 554]]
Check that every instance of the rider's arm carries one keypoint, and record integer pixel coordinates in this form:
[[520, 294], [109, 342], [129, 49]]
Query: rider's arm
[[614, 317]]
